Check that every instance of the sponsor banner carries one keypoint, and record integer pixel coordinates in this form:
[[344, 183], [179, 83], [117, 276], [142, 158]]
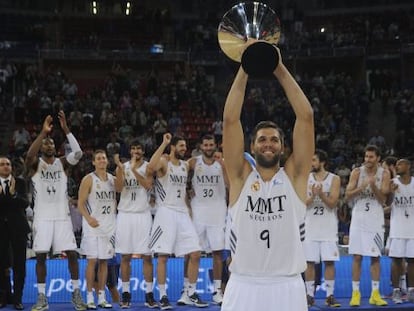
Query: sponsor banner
[[59, 287]]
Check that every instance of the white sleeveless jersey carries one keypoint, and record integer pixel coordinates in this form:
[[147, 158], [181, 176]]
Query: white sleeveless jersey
[[50, 191], [321, 221], [170, 189], [402, 211], [368, 213], [134, 197], [209, 202], [101, 205], [265, 237]]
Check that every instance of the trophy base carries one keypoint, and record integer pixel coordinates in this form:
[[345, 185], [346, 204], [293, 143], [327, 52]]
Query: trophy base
[[260, 59]]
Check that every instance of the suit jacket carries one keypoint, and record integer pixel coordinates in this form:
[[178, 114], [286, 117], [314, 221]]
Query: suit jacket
[[13, 209]]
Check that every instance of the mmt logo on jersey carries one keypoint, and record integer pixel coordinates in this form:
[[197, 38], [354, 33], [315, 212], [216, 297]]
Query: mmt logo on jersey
[[131, 183], [47, 175], [208, 179], [404, 201], [105, 195], [265, 209], [178, 179]]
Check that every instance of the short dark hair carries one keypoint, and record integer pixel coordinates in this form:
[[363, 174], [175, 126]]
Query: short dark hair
[[322, 155], [96, 152], [373, 148], [267, 124], [175, 140], [207, 137], [391, 160], [137, 143]]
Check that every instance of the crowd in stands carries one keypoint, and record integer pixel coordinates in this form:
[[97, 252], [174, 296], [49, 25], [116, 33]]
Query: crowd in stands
[[134, 105], [197, 32]]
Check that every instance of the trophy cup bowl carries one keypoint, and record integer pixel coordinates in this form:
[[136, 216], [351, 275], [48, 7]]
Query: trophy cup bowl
[[255, 22]]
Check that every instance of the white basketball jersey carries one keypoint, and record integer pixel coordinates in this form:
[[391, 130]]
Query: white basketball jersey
[[170, 189], [134, 197], [368, 213], [321, 221], [101, 205], [209, 202], [50, 191], [265, 237], [402, 211]]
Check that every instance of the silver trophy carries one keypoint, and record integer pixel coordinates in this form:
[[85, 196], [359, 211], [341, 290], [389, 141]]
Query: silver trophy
[[251, 21]]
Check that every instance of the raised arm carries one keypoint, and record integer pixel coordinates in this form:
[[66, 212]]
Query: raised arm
[[233, 137], [76, 152], [32, 158], [157, 163], [298, 164], [119, 173], [143, 178]]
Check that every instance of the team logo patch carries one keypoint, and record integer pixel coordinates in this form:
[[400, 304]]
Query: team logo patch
[[277, 181], [183, 169], [256, 186]]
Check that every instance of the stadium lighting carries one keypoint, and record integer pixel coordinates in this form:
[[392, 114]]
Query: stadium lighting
[[94, 7], [128, 8]]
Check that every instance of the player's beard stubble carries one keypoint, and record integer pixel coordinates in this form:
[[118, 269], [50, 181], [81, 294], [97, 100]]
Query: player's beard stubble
[[267, 163]]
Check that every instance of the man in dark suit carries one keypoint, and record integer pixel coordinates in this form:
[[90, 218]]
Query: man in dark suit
[[13, 232]]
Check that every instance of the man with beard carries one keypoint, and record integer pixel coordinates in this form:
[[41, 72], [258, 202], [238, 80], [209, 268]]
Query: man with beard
[[52, 225], [368, 187], [267, 203], [208, 180], [134, 220], [321, 227], [173, 231]]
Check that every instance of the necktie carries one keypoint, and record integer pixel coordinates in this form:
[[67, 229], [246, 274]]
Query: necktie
[[7, 188]]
